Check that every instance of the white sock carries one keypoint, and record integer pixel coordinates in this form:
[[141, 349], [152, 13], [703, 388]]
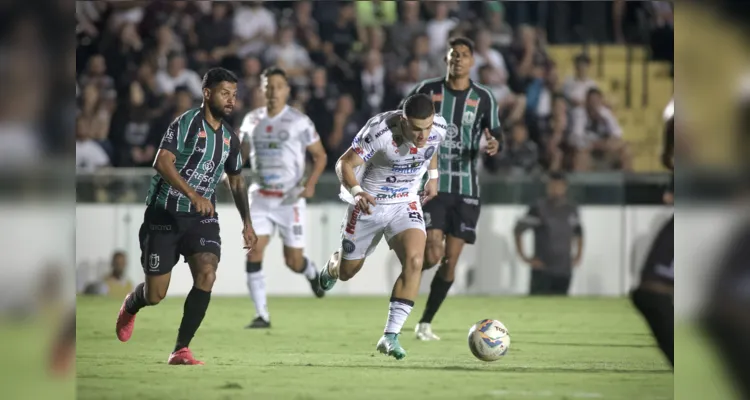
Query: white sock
[[398, 312], [256, 282], [310, 269]]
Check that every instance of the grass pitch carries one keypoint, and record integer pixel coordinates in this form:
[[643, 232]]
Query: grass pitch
[[562, 348]]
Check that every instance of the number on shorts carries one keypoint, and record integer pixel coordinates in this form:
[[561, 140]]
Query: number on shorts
[[297, 230], [415, 215]]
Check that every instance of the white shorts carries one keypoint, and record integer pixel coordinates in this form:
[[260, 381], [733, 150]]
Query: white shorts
[[268, 214], [361, 233]]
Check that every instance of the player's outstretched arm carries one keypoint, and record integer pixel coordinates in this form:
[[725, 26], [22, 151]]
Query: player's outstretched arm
[[164, 165]]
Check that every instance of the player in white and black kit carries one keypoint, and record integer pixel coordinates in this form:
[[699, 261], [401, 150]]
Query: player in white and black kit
[[276, 139], [381, 175]]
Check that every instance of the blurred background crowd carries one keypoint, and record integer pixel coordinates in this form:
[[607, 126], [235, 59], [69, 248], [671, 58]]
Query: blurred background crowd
[[598, 71]]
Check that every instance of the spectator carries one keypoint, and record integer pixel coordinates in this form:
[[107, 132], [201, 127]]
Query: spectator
[[438, 29], [250, 79], [484, 54], [290, 56], [402, 34], [510, 105], [342, 35], [254, 28], [501, 34], [430, 66], [176, 75], [116, 284], [123, 54], [373, 83], [539, 96], [555, 134], [346, 123], [557, 226], [90, 156], [132, 134], [376, 13], [96, 76], [94, 113], [522, 155], [166, 43], [411, 79], [302, 21], [596, 133], [577, 86], [322, 102], [215, 36]]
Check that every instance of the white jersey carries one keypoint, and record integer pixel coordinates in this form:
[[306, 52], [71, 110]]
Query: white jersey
[[278, 147], [393, 167]]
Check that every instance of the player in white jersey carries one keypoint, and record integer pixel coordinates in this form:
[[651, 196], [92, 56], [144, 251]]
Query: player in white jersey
[[276, 139], [380, 175]]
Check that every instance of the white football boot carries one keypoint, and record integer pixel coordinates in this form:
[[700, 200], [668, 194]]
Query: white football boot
[[423, 330]]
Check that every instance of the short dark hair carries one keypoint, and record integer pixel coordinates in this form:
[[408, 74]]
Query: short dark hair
[[271, 71], [461, 40], [593, 91], [419, 106], [214, 76]]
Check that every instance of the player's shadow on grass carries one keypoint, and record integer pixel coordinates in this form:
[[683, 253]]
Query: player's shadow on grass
[[488, 369]]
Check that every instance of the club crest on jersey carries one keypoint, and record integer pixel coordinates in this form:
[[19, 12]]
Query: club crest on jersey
[[283, 135], [452, 131], [468, 118], [429, 152]]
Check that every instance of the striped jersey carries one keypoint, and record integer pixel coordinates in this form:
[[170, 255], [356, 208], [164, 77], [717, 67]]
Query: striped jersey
[[468, 113], [203, 155]]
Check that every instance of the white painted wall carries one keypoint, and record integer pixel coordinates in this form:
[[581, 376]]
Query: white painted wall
[[616, 239]]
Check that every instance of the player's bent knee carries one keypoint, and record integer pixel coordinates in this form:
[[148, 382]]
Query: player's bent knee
[[434, 253], [205, 278], [349, 268], [414, 264]]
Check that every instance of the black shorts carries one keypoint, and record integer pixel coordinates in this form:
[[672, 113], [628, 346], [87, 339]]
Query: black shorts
[[164, 236], [453, 214]]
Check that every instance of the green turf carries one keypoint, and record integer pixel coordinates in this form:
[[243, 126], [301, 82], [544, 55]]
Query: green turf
[[325, 349]]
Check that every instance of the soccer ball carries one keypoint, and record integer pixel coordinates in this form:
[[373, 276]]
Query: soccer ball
[[489, 340]]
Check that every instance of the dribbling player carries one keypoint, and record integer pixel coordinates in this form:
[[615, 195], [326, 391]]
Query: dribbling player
[[275, 138], [380, 176], [197, 149]]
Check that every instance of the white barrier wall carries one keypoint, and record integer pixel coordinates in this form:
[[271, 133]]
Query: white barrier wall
[[616, 239]]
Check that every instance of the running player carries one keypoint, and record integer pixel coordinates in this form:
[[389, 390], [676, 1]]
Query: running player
[[655, 293], [197, 149], [275, 138], [451, 219], [380, 176]]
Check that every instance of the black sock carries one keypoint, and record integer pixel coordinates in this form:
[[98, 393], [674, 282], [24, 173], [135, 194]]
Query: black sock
[[438, 290], [196, 305], [137, 299]]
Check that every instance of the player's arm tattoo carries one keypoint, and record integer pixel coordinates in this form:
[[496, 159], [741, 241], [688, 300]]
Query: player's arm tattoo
[[238, 187]]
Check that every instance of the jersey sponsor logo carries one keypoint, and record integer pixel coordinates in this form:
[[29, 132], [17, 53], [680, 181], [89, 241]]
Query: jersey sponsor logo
[[169, 136], [461, 174], [348, 246], [469, 118], [405, 170], [224, 156], [413, 206], [270, 177], [352, 223], [209, 165], [200, 150], [394, 179], [202, 178], [381, 132], [210, 221], [448, 156], [269, 129], [283, 136], [472, 102], [465, 228], [414, 214], [429, 152], [470, 201], [393, 193], [432, 138], [427, 219], [160, 228], [452, 144], [439, 125], [413, 150], [368, 139], [174, 192]]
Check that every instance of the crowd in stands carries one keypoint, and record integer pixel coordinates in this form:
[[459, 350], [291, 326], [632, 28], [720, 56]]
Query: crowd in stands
[[140, 65]]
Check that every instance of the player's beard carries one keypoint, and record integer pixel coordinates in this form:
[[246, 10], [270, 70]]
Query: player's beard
[[218, 111]]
